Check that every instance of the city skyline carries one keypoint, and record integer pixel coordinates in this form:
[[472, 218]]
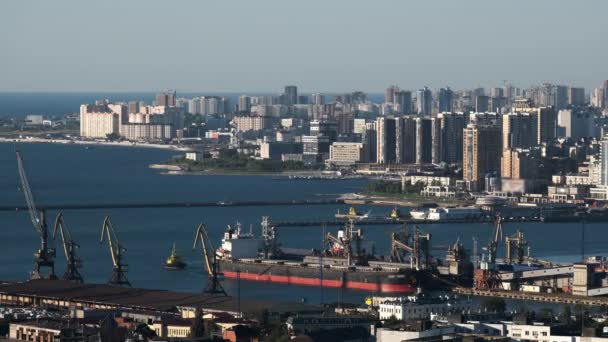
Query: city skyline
[[321, 47]]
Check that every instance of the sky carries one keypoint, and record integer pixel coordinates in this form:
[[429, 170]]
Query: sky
[[319, 45]]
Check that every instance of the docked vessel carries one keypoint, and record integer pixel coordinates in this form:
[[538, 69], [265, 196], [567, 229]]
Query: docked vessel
[[344, 264], [421, 213], [174, 261], [454, 214]]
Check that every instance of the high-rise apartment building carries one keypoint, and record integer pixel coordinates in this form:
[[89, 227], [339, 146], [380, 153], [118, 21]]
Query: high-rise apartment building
[[244, 104], [599, 96], [497, 92], [519, 130], [133, 107], [576, 96], [427, 140], [482, 103], [98, 121], [251, 123], [604, 161], [424, 101], [166, 98], [406, 140], [318, 99], [370, 142], [386, 145], [452, 125], [402, 100], [446, 100], [291, 95], [389, 94], [575, 124], [481, 150], [519, 164], [546, 120]]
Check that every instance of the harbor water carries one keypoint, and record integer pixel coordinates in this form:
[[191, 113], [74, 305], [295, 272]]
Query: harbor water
[[70, 174]]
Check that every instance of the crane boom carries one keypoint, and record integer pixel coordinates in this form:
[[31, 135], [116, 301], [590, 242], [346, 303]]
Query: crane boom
[[29, 196], [119, 269], [70, 247], [43, 257], [201, 234], [213, 283]]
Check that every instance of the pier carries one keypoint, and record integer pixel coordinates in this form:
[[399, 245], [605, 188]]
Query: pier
[[195, 204], [372, 221], [563, 298]]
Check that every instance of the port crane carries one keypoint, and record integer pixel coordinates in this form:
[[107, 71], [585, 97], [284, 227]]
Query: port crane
[[45, 256], [493, 245], [213, 283], [418, 246], [342, 244], [70, 248], [119, 268]]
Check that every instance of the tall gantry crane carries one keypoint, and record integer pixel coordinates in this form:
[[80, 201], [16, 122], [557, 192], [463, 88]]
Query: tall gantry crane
[[119, 268], [70, 248], [210, 259], [493, 246], [45, 256]]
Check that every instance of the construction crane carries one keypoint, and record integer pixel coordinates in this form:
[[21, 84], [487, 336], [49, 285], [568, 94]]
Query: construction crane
[[70, 248], [210, 259], [45, 256], [119, 268]]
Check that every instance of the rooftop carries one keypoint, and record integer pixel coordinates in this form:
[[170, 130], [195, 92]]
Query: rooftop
[[140, 299]]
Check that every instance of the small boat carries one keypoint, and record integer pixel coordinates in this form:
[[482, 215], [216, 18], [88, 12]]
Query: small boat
[[174, 261]]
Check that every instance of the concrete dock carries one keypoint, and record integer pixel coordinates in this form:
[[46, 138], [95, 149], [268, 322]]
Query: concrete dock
[[537, 297]]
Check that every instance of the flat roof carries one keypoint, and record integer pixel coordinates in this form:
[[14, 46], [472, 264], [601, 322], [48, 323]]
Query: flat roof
[[140, 299]]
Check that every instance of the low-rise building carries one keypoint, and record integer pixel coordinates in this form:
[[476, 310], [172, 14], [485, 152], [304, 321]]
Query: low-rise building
[[49, 331], [345, 153], [415, 308], [307, 324], [440, 191], [194, 156], [275, 150], [434, 333], [426, 180]]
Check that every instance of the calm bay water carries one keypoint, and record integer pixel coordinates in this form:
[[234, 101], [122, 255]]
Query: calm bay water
[[73, 174]]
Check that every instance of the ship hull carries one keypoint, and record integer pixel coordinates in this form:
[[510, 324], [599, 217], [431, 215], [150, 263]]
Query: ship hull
[[377, 281]]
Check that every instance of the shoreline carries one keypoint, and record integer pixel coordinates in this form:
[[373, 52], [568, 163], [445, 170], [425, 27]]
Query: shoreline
[[94, 143], [176, 170]]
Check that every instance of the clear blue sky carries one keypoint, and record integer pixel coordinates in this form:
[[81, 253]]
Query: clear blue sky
[[319, 45]]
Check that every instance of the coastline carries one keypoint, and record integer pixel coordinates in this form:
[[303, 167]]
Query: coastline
[[175, 170], [94, 143]]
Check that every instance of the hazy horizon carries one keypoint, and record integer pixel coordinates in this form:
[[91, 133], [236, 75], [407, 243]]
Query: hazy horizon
[[332, 47]]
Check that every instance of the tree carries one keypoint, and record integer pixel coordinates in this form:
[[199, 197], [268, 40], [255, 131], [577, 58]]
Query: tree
[[113, 136], [494, 304], [197, 329]]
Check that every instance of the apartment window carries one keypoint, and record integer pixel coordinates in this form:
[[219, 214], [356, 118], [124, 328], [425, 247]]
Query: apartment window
[[527, 333], [544, 333]]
